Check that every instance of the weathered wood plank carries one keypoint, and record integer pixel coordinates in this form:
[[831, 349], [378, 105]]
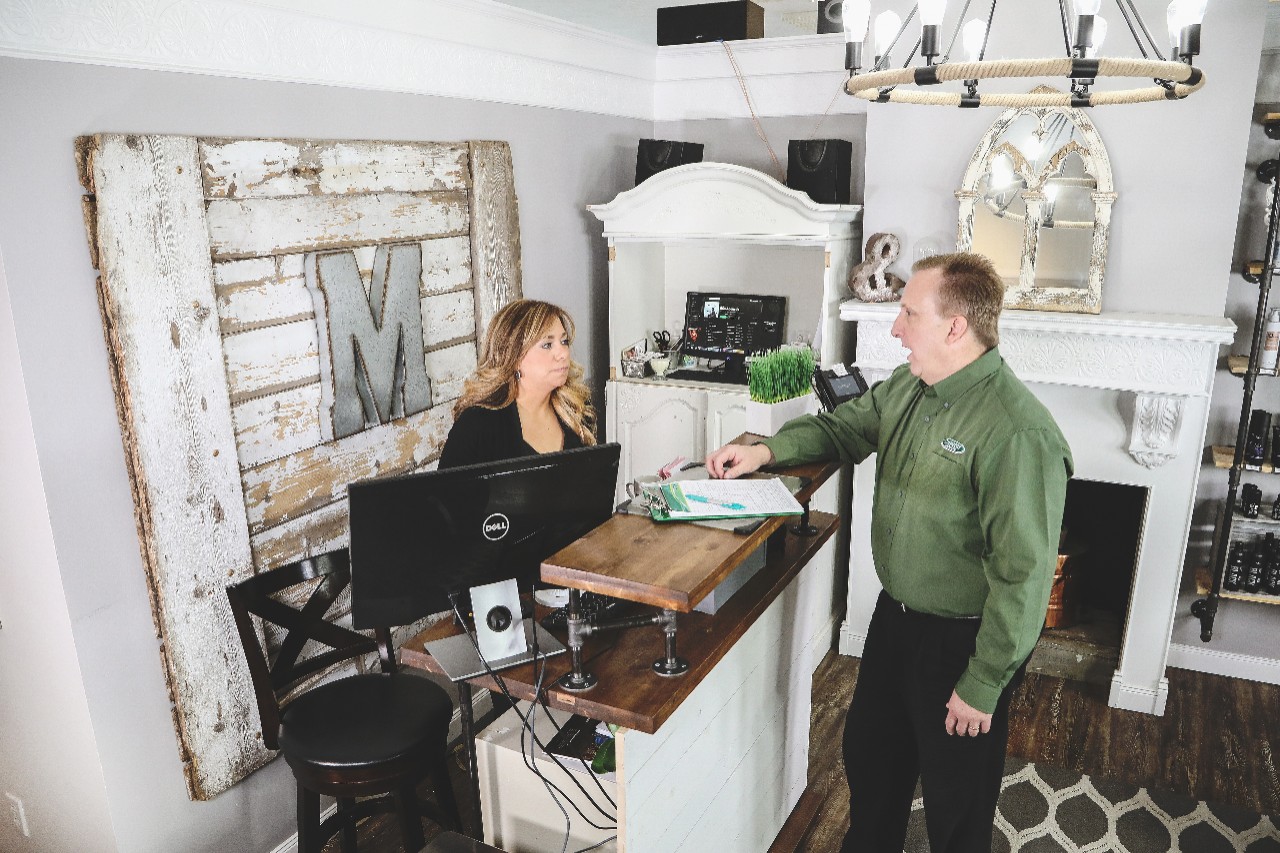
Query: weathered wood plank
[[272, 168], [321, 530], [277, 425], [248, 228], [449, 369], [446, 264], [271, 359], [291, 487], [259, 292], [495, 231], [448, 317], [159, 308]]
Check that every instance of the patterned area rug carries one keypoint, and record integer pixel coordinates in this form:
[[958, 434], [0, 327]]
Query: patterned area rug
[[1049, 810]]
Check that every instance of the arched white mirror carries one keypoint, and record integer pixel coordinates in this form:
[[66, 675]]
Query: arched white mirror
[[1036, 198]]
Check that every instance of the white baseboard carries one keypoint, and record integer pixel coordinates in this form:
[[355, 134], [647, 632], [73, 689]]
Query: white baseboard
[[1131, 697], [481, 703], [851, 642], [1230, 664]]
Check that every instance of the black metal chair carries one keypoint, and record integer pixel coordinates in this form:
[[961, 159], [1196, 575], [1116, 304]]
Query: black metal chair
[[373, 734]]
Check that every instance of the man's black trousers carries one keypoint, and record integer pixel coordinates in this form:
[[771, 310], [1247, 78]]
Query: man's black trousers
[[894, 735]]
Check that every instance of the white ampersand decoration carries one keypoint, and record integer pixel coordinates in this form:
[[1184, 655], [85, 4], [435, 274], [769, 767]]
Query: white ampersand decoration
[[870, 280]]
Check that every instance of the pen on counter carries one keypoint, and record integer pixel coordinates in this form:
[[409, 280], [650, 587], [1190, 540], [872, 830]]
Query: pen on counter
[[700, 499]]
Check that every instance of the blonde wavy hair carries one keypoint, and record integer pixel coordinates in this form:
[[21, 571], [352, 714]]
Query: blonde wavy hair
[[512, 332]]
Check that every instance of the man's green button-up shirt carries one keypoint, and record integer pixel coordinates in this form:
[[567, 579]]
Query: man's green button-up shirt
[[971, 477]]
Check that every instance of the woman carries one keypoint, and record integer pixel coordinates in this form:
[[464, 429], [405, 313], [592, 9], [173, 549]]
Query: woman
[[527, 395]]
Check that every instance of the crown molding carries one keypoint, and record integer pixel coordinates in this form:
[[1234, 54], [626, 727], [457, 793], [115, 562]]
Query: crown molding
[[795, 75], [472, 49]]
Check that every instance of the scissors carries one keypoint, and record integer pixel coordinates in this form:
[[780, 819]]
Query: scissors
[[663, 340]]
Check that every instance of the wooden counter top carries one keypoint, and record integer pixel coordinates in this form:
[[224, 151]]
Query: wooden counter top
[[668, 565], [630, 694]]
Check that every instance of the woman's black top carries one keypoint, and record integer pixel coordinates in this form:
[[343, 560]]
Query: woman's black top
[[488, 435]]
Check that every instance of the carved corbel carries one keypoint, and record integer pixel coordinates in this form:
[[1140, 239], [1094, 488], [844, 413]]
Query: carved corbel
[[1153, 436]]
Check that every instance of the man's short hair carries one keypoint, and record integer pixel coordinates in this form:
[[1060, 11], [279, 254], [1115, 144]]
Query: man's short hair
[[971, 288]]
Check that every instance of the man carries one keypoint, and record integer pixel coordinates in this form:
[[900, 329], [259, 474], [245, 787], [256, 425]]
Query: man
[[971, 475]]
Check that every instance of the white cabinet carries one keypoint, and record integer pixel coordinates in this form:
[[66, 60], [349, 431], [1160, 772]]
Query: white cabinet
[[720, 228]]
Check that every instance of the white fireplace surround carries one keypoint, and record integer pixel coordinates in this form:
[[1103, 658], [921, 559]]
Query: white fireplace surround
[[1131, 393]]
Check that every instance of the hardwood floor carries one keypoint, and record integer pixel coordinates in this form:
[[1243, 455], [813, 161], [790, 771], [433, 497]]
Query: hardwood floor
[[1219, 740]]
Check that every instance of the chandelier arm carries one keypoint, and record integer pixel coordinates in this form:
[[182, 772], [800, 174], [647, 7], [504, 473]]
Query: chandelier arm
[[946, 57], [1143, 24], [1066, 32], [884, 59], [1133, 32], [986, 37]]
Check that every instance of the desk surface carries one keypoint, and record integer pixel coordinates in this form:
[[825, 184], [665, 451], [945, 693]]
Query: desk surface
[[630, 694], [668, 565]]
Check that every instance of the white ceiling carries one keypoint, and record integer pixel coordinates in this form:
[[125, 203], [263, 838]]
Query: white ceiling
[[636, 19]]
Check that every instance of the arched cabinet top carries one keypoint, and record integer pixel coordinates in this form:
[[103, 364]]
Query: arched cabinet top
[[723, 201]]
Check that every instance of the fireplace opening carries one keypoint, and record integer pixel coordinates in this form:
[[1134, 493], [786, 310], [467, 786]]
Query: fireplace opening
[[1102, 526]]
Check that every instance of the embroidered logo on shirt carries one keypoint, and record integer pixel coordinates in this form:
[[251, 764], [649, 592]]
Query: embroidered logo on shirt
[[952, 446]]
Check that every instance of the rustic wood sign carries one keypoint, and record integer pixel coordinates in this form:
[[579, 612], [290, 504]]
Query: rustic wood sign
[[283, 317]]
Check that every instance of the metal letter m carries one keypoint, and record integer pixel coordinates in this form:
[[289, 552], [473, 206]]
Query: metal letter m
[[372, 367]]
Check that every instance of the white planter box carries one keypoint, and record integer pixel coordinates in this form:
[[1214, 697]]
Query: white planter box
[[767, 418]]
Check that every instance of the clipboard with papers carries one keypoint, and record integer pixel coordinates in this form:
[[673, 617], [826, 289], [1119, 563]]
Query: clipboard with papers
[[694, 500]]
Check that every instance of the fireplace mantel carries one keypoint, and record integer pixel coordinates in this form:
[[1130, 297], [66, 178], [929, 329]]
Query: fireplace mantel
[[1161, 358], [1131, 393]]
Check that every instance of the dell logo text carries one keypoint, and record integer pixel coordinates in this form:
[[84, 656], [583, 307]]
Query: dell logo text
[[496, 526]]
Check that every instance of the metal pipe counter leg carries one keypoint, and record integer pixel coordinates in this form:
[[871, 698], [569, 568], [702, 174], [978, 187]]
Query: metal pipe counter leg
[[670, 665], [576, 680]]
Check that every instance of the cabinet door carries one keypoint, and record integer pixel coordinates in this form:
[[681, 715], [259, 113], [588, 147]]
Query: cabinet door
[[726, 417], [654, 424]]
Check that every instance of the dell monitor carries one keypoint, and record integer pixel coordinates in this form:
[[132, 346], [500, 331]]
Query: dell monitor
[[420, 541]]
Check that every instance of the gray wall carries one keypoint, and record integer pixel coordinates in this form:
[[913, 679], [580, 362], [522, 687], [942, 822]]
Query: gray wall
[[736, 141], [563, 161]]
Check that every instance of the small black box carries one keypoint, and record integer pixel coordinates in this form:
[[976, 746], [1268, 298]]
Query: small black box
[[705, 22], [820, 167], [654, 155], [830, 18]]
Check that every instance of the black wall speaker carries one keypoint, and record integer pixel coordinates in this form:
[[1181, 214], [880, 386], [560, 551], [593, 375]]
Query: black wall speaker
[[829, 16], [654, 155], [820, 167], [705, 22]]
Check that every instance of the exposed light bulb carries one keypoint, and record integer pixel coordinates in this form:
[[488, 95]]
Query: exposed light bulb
[[1051, 193], [1189, 13], [854, 14], [1088, 7], [1099, 36], [972, 36], [931, 11], [887, 25]]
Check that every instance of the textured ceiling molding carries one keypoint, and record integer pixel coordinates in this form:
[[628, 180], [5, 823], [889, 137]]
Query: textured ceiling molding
[[800, 75], [431, 47]]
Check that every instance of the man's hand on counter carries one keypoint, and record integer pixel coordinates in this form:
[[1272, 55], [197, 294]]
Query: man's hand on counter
[[734, 460]]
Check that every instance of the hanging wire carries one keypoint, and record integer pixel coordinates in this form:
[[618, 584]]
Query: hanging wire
[[1136, 38], [742, 82], [884, 57]]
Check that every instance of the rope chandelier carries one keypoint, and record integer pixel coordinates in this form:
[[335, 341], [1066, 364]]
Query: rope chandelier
[[1174, 78]]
